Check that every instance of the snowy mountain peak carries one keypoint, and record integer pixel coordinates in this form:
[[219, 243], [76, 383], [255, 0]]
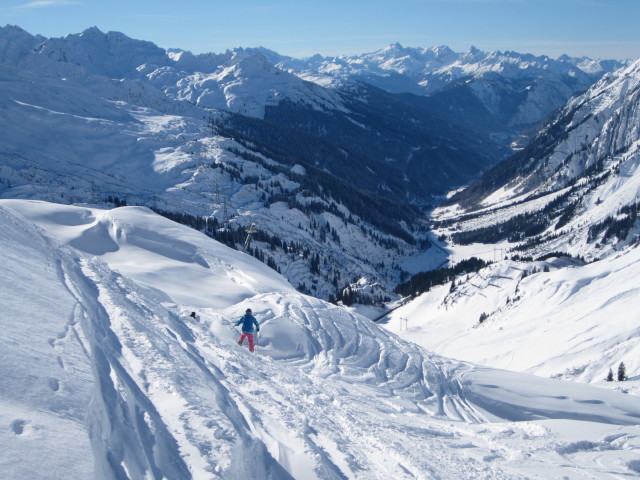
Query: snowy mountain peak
[[177, 54], [252, 64], [394, 49], [15, 43], [94, 32], [473, 50], [475, 55], [112, 54], [443, 51], [14, 31]]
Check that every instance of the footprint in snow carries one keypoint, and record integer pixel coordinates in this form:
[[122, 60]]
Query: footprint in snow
[[18, 426], [54, 384]]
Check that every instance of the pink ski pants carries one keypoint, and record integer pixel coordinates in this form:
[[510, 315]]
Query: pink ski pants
[[249, 336]]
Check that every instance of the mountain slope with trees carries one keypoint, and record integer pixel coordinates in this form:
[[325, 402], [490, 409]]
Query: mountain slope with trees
[[558, 223], [333, 176]]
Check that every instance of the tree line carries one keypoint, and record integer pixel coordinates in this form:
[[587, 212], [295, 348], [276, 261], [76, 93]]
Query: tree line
[[424, 281]]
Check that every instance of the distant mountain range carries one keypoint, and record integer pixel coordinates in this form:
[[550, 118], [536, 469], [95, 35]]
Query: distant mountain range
[[332, 158], [515, 90]]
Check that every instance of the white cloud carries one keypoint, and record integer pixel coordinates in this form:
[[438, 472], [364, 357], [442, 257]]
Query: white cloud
[[48, 3]]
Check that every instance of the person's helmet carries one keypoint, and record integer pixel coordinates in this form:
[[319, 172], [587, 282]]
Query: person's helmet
[[248, 310]]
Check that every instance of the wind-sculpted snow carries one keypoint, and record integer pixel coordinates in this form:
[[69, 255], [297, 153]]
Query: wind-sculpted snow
[[328, 342], [155, 251], [148, 392]]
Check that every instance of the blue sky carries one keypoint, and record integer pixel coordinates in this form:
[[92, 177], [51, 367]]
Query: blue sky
[[299, 28]]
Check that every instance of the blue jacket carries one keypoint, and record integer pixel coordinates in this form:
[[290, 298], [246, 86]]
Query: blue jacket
[[248, 321]]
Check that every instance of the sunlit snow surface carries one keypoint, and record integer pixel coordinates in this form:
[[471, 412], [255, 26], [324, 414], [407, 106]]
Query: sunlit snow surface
[[572, 321], [575, 320], [104, 375]]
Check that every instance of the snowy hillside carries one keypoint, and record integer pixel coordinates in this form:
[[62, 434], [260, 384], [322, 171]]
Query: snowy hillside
[[574, 189], [73, 136], [104, 375], [572, 321], [564, 213]]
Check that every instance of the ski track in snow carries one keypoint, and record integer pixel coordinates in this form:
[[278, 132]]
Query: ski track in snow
[[328, 395], [306, 417]]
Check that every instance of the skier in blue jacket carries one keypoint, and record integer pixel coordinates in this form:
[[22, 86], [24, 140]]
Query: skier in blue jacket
[[248, 321]]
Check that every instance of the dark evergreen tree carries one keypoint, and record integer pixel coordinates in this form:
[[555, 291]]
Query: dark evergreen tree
[[315, 264], [622, 372], [610, 376]]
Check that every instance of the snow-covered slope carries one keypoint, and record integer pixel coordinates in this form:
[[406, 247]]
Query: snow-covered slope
[[575, 187], [105, 376], [572, 194], [572, 321], [164, 251]]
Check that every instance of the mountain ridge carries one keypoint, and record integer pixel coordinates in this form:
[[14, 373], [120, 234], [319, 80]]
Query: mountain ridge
[[588, 153], [168, 154]]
